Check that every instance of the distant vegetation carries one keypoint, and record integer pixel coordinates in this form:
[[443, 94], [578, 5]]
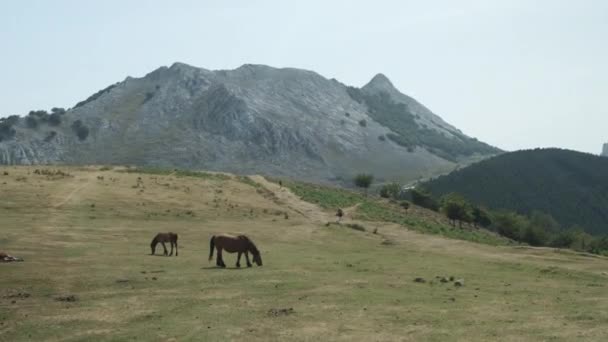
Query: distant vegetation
[[570, 186], [400, 120], [363, 180], [7, 131], [372, 208], [80, 129], [95, 96]]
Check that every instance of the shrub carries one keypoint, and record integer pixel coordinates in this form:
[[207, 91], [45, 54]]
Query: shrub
[[381, 138], [80, 129], [59, 111], [391, 190], [564, 239], [363, 180], [363, 123], [54, 119], [423, 199], [31, 122], [6, 127]]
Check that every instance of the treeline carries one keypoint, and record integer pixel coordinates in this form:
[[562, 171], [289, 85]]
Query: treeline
[[35, 118], [570, 186], [535, 229]]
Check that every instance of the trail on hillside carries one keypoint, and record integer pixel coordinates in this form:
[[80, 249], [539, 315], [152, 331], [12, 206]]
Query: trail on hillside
[[309, 210]]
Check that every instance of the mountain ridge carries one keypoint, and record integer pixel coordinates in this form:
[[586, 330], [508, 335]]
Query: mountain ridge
[[569, 185], [252, 119]]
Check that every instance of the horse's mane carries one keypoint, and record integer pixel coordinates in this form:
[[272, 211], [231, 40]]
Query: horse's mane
[[252, 245]]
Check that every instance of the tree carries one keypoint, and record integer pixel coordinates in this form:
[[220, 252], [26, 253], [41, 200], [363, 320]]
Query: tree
[[481, 217], [422, 198], [456, 208], [391, 190], [31, 122], [59, 111], [509, 224], [364, 180], [80, 129], [55, 119], [563, 239]]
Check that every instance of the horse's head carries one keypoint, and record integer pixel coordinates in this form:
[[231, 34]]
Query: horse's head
[[257, 258]]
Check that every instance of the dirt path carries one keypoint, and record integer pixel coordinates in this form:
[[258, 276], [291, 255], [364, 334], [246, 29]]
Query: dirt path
[[293, 202]]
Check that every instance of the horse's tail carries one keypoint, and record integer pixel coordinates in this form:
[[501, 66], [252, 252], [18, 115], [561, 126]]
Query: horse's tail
[[211, 246]]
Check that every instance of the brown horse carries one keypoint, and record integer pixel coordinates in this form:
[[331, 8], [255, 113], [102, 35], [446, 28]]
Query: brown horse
[[231, 244], [4, 257], [162, 238]]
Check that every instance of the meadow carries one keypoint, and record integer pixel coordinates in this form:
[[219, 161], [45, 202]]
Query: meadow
[[84, 233]]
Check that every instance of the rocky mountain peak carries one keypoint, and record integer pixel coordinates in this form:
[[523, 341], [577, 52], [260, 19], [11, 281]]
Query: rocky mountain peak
[[253, 119], [380, 82]]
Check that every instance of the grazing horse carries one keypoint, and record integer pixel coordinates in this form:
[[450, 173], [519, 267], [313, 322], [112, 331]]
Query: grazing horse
[[4, 257], [162, 238], [231, 244]]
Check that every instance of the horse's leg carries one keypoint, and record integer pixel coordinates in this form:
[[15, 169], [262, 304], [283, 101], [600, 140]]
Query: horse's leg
[[171, 243], [247, 259], [220, 258], [175, 247], [238, 260], [165, 248]]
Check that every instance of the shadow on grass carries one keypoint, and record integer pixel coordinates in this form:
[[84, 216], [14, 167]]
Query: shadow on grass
[[207, 268]]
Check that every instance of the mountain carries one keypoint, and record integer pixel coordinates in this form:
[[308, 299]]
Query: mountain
[[254, 119], [571, 186], [605, 150]]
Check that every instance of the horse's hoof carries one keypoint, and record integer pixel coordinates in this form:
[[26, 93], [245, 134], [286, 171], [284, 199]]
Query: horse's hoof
[[249, 265], [238, 265]]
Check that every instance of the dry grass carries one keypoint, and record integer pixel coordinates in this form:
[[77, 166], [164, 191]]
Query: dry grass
[[89, 237]]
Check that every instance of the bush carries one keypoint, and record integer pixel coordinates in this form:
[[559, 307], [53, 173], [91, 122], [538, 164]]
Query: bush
[[564, 239], [31, 122], [423, 199], [6, 127], [381, 138], [392, 190], [363, 180], [80, 129], [54, 119], [363, 123]]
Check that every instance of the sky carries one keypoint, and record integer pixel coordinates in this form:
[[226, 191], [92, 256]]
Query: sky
[[516, 74]]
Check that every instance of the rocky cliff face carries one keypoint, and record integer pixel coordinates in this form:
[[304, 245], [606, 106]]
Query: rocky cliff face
[[254, 119]]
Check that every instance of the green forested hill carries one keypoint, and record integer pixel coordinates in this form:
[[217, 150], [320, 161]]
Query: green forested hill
[[569, 185]]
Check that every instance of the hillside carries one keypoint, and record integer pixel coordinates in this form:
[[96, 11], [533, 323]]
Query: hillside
[[253, 119], [571, 186], [84, 234]]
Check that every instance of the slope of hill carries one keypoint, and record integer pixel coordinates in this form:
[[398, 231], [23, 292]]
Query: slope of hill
[[569, 185], [85, 232], [254, 119]]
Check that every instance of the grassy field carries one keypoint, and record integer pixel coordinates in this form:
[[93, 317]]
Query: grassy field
[[85, 233]]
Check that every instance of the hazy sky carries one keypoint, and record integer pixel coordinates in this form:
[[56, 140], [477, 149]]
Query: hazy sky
[[514, 73]]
